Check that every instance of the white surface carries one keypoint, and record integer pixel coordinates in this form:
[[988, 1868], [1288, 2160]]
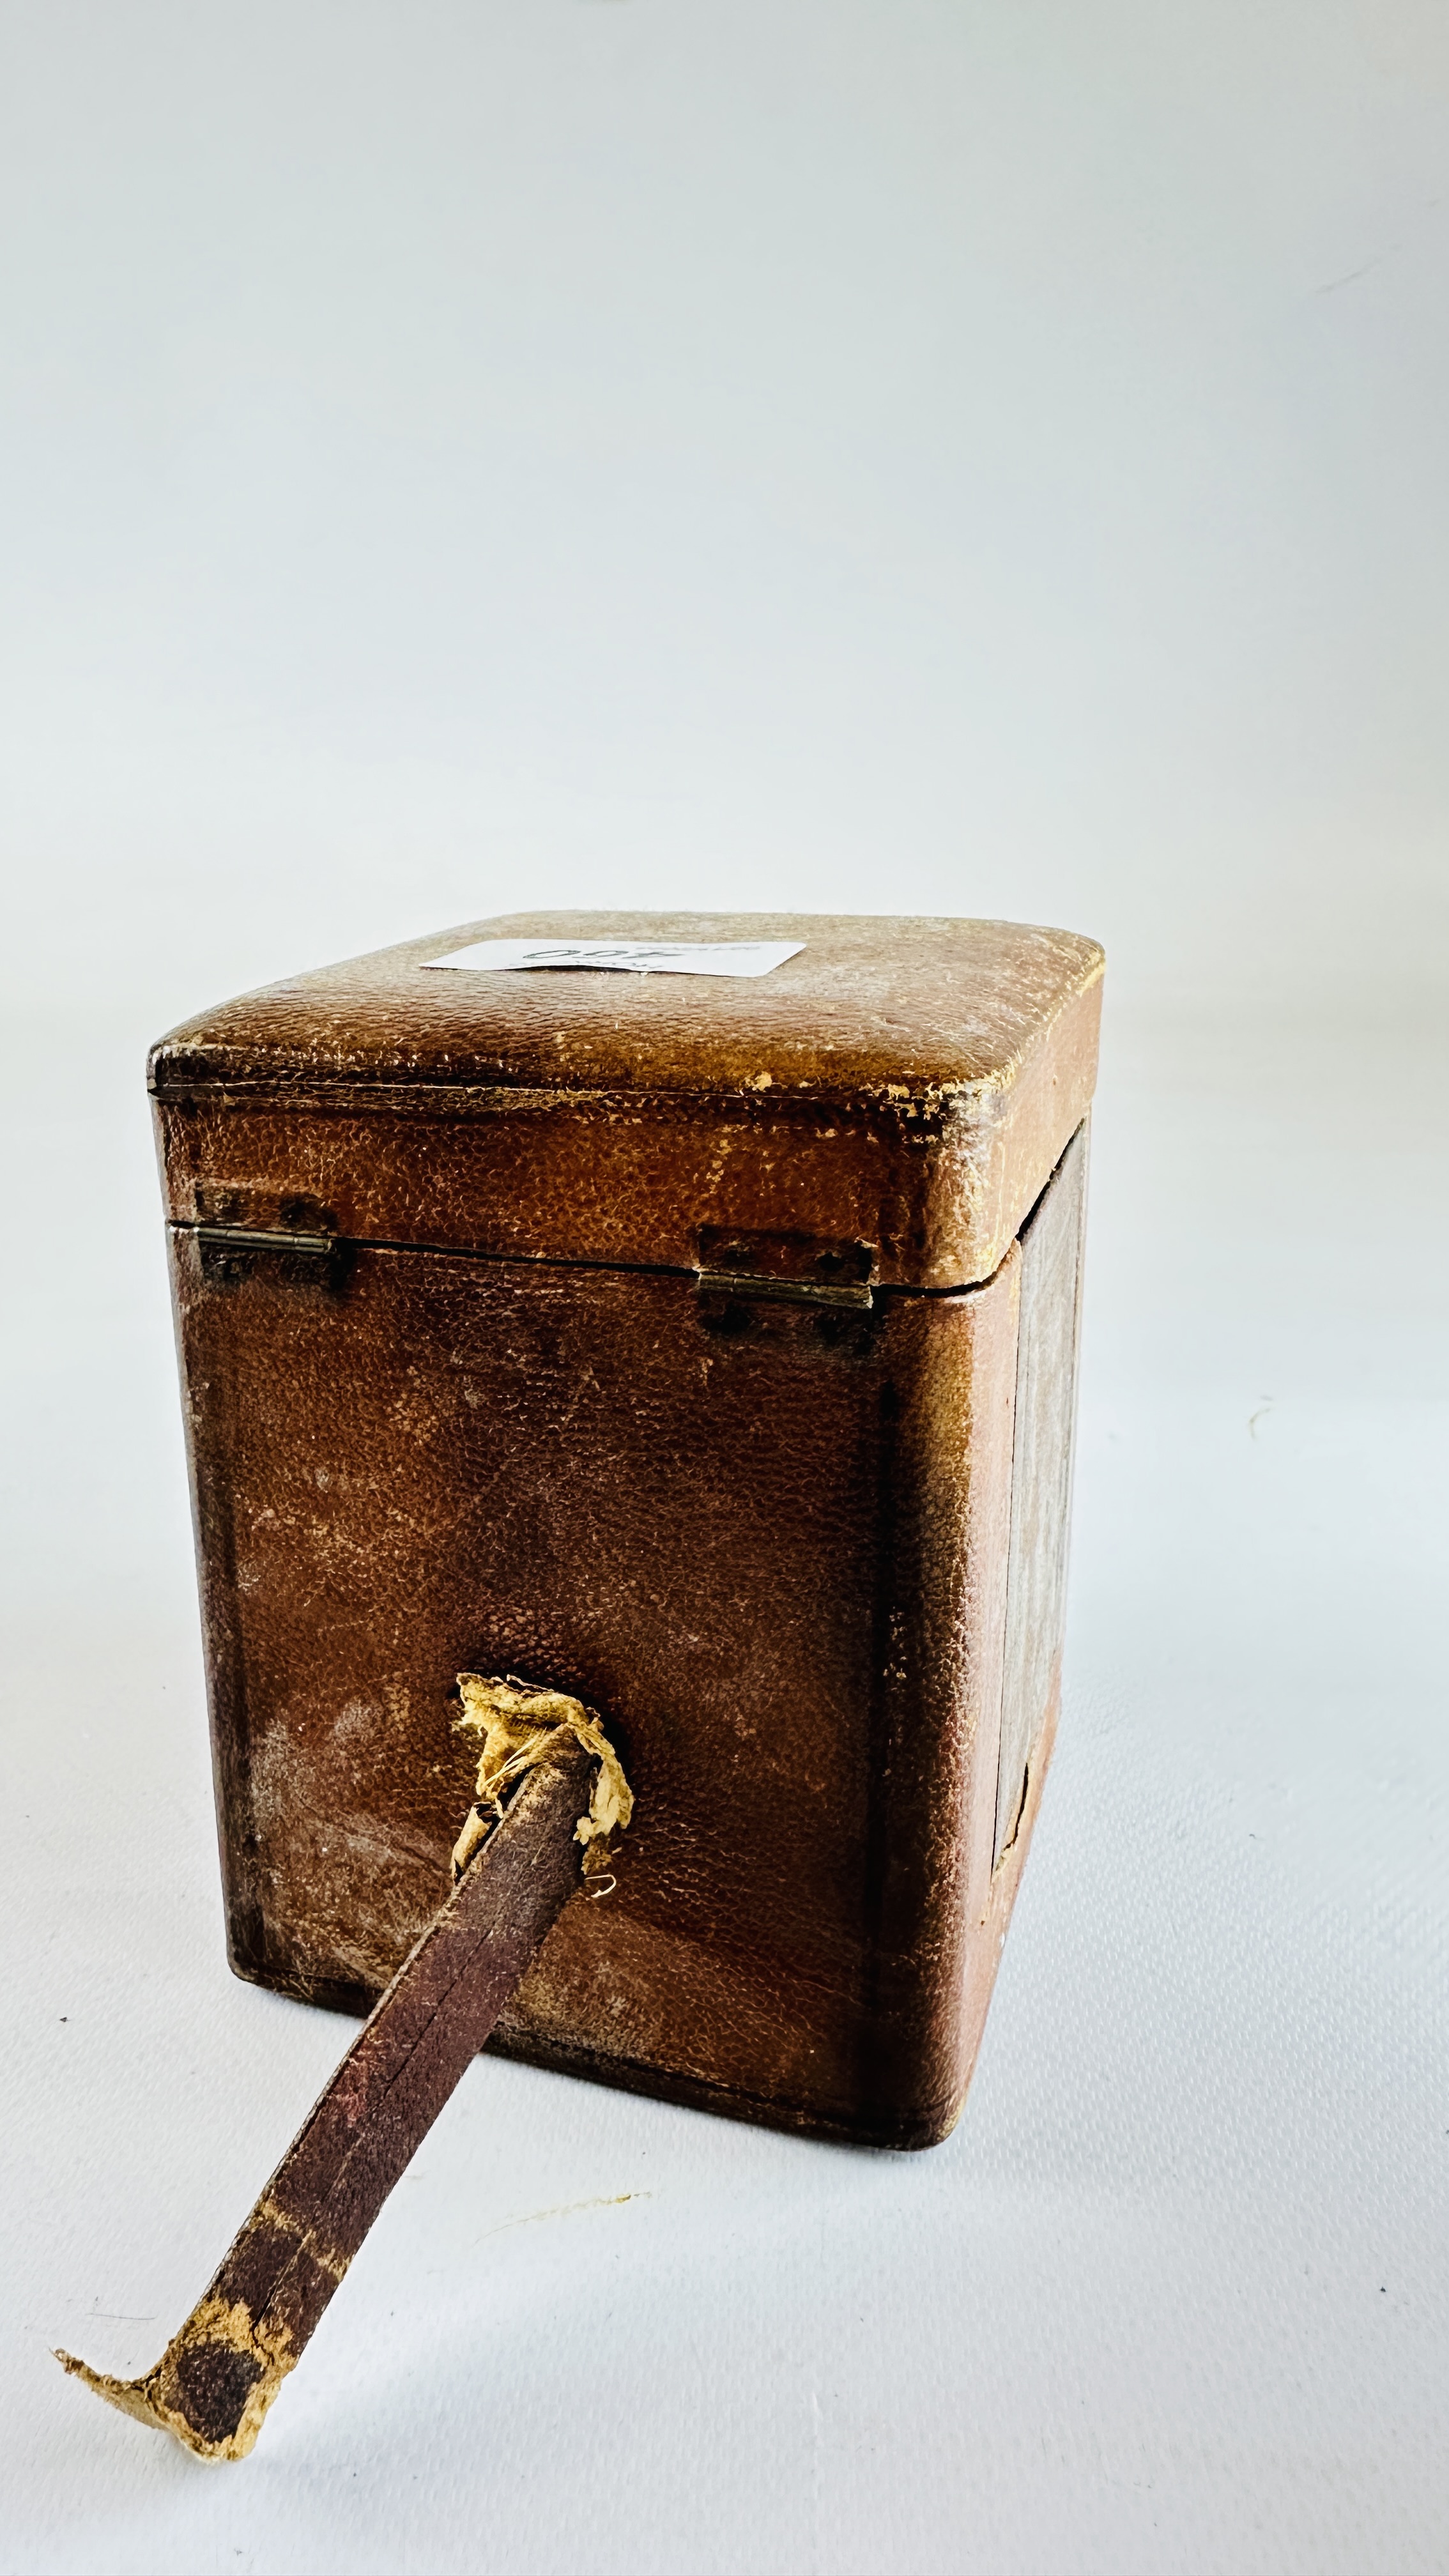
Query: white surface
[[930, 458]]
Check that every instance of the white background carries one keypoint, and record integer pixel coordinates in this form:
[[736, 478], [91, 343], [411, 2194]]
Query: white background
[[926, 457]]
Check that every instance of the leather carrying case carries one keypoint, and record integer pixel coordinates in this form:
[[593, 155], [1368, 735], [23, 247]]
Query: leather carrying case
[[701, 1347]]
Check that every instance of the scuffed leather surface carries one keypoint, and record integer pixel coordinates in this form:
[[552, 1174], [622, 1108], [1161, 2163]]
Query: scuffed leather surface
[[774, 1560], [770, 1545], [870, 1004], [905, 1084]]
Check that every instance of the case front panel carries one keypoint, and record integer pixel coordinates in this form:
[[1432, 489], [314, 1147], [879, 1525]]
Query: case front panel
[[767, 1544]]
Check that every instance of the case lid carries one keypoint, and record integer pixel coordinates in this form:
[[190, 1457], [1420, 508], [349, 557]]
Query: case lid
[[906, 1085]]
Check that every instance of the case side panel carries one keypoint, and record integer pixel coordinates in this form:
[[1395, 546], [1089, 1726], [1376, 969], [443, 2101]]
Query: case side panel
[[940, 1674], [207, 1412], [1046, 1391]]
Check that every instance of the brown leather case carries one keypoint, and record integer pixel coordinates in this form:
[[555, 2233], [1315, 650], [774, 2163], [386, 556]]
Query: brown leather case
[[702, 1348]]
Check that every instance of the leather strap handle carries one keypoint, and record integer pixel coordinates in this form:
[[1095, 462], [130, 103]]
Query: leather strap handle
[[218, 2375]]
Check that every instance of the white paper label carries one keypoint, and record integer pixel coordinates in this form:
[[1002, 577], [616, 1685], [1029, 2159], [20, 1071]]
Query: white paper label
[[626, 956]]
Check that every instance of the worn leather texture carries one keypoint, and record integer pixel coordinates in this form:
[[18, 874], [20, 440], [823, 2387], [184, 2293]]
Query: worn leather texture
[[907, 1085], [770, 1542]]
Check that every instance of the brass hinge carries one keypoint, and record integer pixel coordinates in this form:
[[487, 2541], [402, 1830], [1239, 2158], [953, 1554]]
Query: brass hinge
[[751, 1284], [261, 1238], [786, 1269]]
